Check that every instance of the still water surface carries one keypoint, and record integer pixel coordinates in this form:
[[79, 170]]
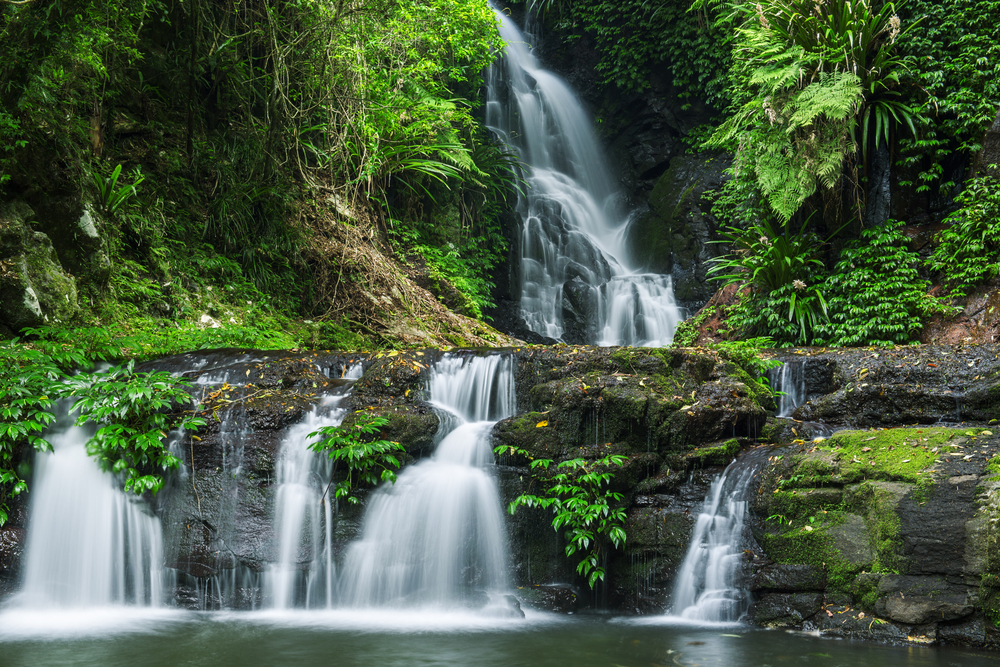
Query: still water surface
[[349, 638]]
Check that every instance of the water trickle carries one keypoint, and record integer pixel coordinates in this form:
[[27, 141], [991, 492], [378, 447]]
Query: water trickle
[[707, 587], [789, 378], [303, 574], [437, 535], [90, 544], [578, 279]]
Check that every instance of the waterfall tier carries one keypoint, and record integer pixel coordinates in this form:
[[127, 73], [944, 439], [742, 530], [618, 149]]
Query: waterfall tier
[[707, 587], [437, 536], [577, 279], [94, 546]]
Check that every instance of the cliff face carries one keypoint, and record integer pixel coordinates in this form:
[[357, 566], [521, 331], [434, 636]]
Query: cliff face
[[886, 529]]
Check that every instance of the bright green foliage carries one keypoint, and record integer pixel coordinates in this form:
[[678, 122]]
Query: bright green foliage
[[808, 75], [111, 195], [367, 460], [968, 251], [781, 267], [768, 257], [582, 507], [134, 412], [124, 404], [953, 54], [746, 354], [636, 37], [876, 294]]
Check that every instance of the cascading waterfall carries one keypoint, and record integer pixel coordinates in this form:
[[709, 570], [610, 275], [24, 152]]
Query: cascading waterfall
[[707, 587], [437, 535], [789, 378], [577, 278], [303, 574], [91, 544]]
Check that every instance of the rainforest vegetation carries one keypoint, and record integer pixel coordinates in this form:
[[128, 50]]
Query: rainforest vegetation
[[316, 173]]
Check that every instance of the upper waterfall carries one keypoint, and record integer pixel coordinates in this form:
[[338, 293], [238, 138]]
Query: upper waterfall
[[578, 281]]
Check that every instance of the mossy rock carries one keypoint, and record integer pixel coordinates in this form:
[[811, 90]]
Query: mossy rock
[[715, 455], [412, 426]]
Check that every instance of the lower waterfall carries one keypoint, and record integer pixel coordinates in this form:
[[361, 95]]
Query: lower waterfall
[[97, 546], [437, 536], [707, 587]]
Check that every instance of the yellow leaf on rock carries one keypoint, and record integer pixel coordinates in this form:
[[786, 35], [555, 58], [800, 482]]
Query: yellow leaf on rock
[[544, 422]]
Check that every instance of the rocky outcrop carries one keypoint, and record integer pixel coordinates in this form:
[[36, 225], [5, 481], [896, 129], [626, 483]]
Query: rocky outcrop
[[901, 519], [34, 288]]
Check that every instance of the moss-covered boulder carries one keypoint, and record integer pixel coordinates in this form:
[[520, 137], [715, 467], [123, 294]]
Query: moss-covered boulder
[[34, 288]]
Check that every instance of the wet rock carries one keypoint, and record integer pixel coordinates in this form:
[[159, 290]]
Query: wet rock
[[920, 600], [675, 235], [11, 547], [775, 610], [559, 598], [579, 310], [781, 577], [970, 632]]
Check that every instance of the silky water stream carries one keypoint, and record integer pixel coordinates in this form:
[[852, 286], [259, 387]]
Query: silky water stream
[[577, 277], [424, 583]]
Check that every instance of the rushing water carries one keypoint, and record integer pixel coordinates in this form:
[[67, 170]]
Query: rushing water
[[707, 586], [437, 535], [790, 379], [95, 546], [578, 280]]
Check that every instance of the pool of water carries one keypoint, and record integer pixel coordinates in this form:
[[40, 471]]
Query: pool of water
[[377, 638]]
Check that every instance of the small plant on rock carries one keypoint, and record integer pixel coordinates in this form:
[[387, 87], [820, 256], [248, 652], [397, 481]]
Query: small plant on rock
[[368, 460], [579, 497]]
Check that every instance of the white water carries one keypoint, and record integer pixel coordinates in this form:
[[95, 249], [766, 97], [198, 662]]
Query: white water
[[573, 246], [90, 544], [707, 588], [437, 535], [304, 573], [789, 378]]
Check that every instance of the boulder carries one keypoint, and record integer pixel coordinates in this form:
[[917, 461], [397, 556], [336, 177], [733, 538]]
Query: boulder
[[34, 288], [775, 610]]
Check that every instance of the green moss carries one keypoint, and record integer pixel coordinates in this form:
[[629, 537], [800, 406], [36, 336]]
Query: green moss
[[809, 542], [877, 502], [687, 332], [717, 455], [902, 454], [993, 468], [799, 503]]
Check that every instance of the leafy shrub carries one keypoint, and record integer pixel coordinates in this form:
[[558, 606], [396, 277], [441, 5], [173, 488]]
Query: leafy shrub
[[780, 266], [953, 54], [367, 460], [876, 294], [134, 411], [131, 409], [808, 74], [968, 251], [582, 506]]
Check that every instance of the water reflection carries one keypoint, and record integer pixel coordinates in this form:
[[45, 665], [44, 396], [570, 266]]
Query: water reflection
[[346, 639]]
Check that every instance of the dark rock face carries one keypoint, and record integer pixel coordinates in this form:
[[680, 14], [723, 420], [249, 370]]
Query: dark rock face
[[900, 518], [34, 288], [675, 234], [667, 411]]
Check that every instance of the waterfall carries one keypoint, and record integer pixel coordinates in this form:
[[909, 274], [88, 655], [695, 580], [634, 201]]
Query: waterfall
[[577, 278], [707, 584], [89, 544], [437, 535], [303, 574], [789, 378]]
